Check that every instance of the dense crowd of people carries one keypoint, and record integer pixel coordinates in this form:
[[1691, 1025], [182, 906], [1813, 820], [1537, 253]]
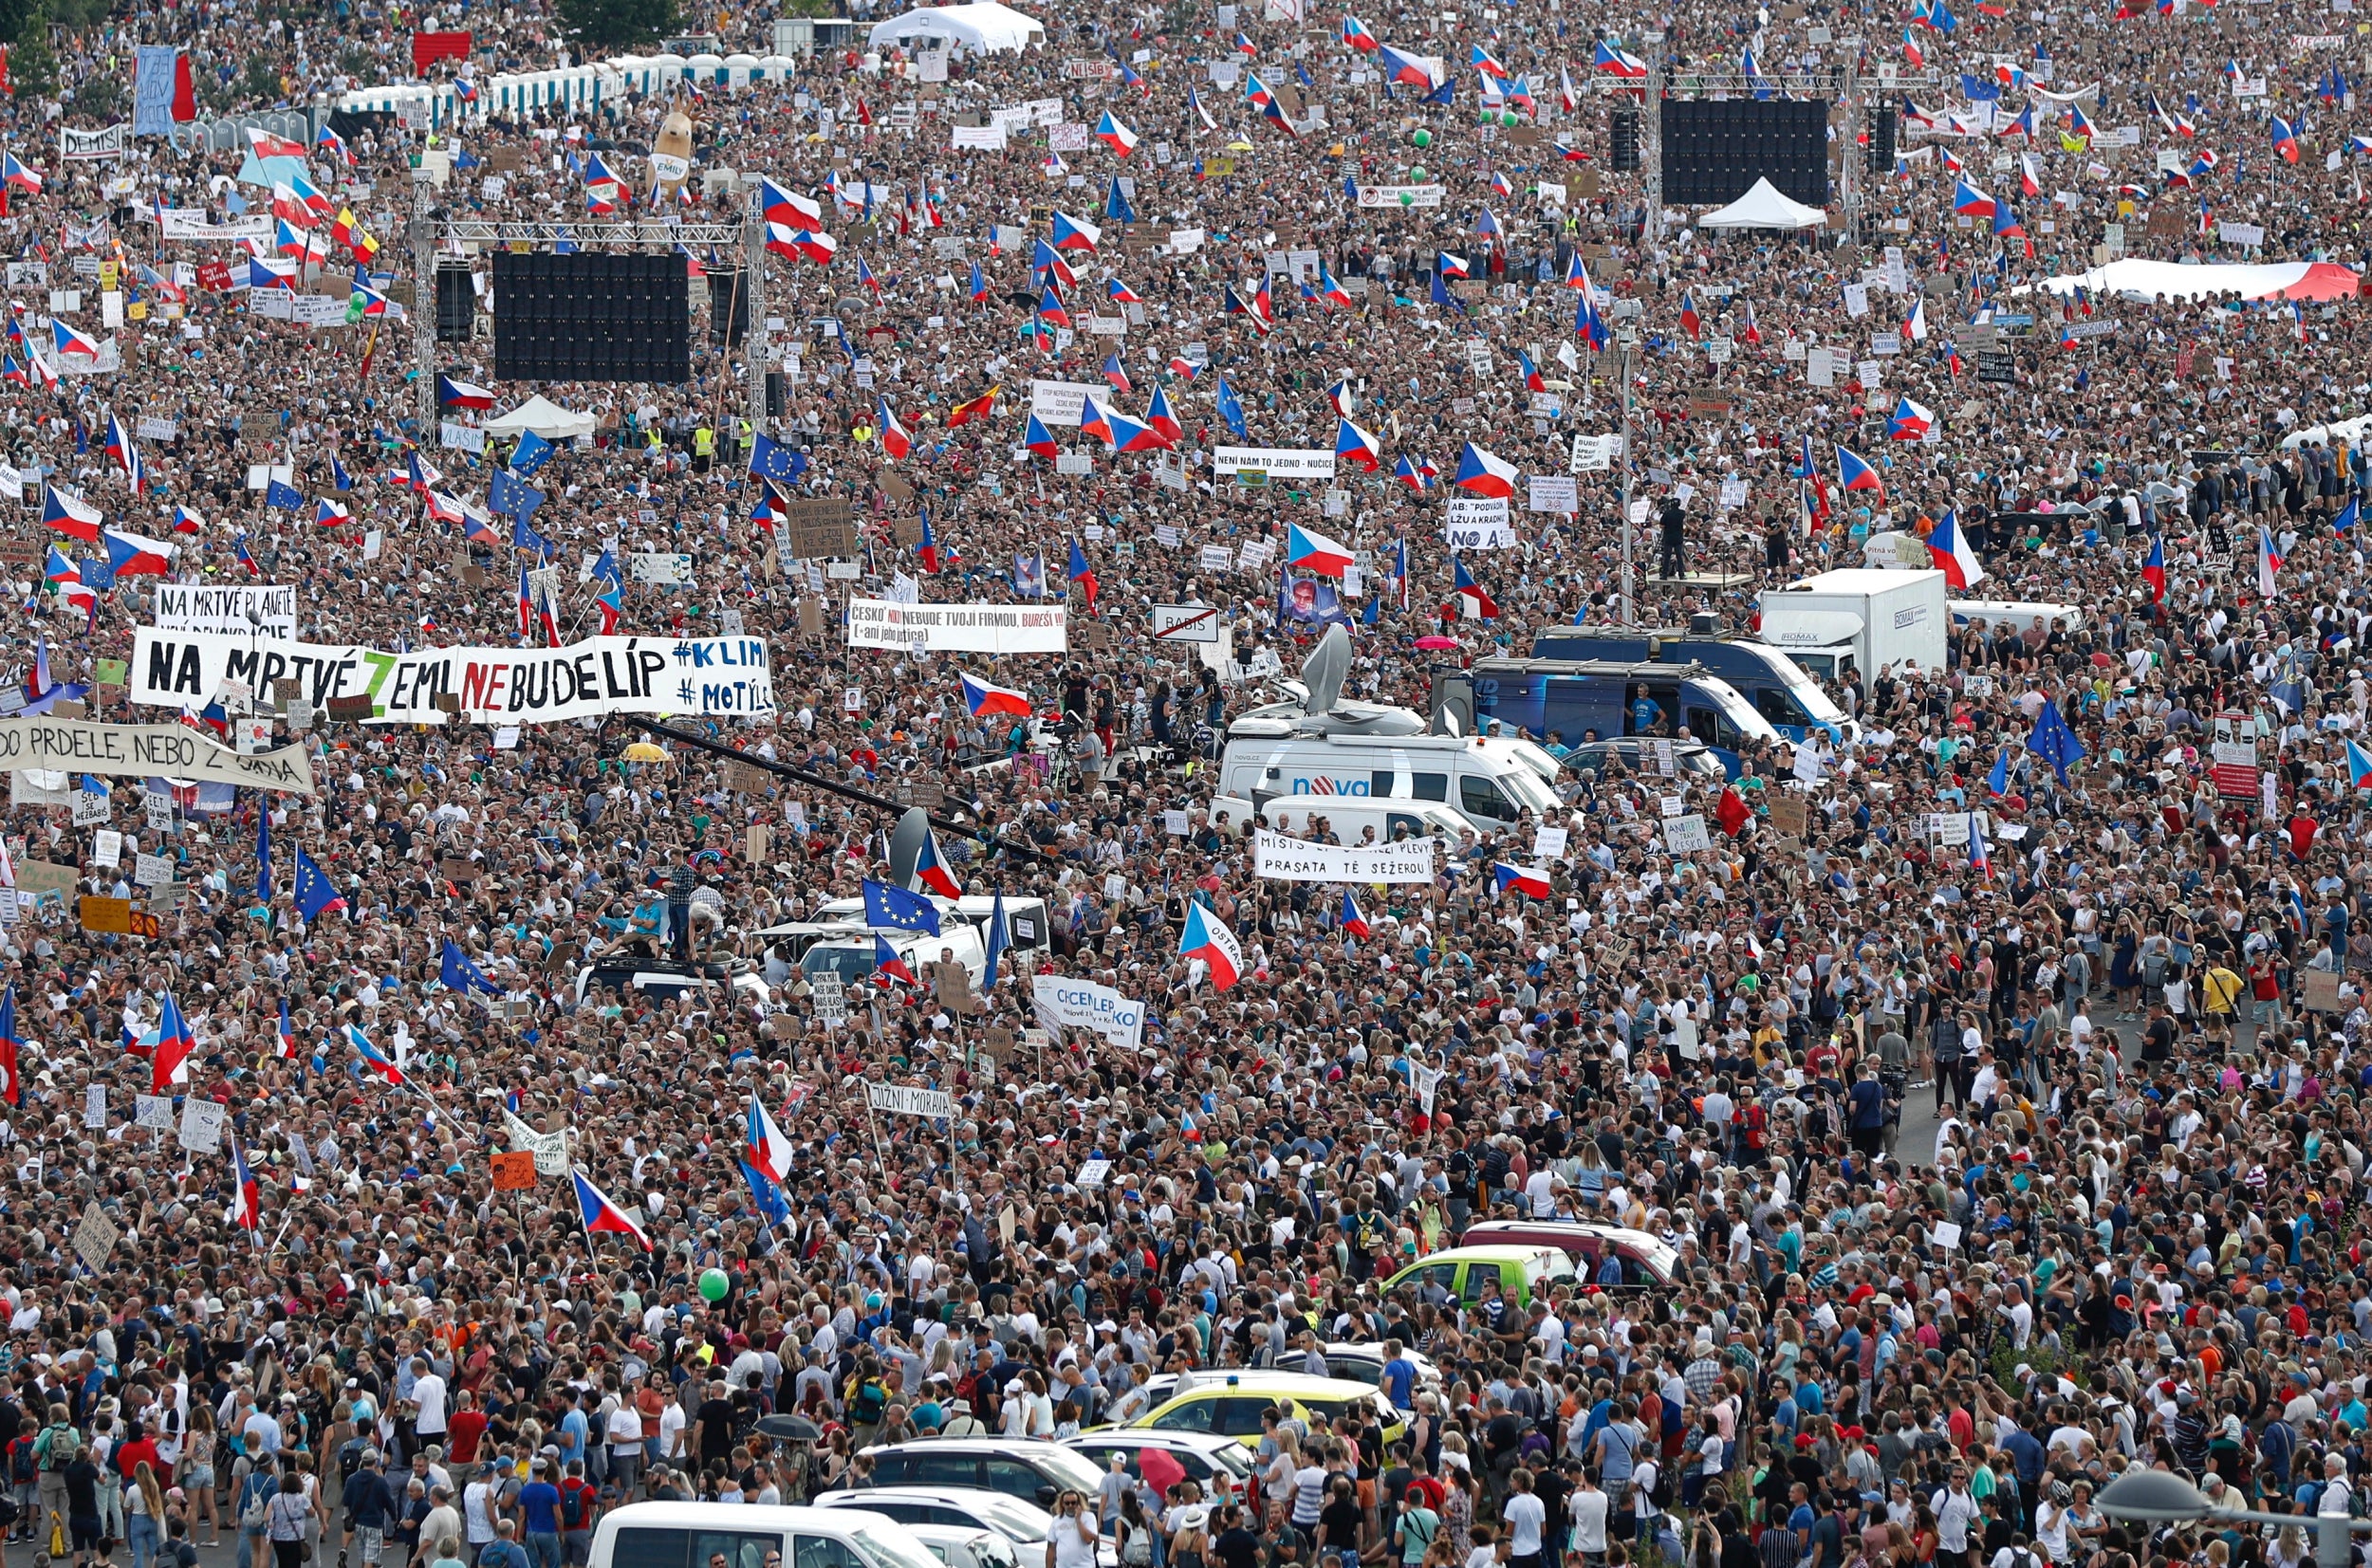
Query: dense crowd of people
[[1996, 1163]]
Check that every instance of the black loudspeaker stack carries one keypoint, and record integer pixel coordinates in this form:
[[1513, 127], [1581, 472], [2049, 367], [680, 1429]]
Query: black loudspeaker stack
[[1622, 140], [729, 308], [1880, 163], [591, 318], [776, 403], [1714, 150], [456, 304]]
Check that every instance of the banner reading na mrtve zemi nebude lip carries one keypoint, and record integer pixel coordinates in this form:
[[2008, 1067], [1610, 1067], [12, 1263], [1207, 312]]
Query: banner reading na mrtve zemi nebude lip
[[719, 676]]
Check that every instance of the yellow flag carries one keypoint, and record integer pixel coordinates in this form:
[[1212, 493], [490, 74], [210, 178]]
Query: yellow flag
[[2073, 143]]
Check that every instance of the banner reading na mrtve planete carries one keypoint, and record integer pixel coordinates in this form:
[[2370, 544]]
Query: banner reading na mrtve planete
[[599, 676]]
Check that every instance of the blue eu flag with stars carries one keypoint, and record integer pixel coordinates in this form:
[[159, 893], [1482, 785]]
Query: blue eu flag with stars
[[772, 459], [286, 497], [534, 451], [2054, 742], [894, 908], [513, 498]]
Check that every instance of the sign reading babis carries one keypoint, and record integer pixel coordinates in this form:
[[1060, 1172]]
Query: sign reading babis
[[1284, 859], [599, 676], [958, 628], [147, 750]]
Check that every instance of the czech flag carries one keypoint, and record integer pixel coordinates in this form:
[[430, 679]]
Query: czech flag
[[247, 1200], [1507, 879], [1119, 294], [1970, 202], [1311, 551], [767, 1149], [1330, 288], [1691, 322], [1207, 937], [932, 871], [69, 516], [1116, 135], [885, 961], [12, 1046], [1534, 380], [983, 698], [2359, 767], [2154, 570], [21, 176], [1407, 70], [1853, 473], [1474, 605], [1072, 233], [327, 513], [1483, 61], [1480, 473], [1349, 919], [1948, 546], [453, 394], [1160, 417], [1355, 445], [1911, 421], [126, 455], [1355, 35], [2285, 141], [1040, 440], [602, 1217], [170, 1063], [69, 343], [1615, 61], [136, 555], [287, 1033], [373, 1057], [781, 206], [895, 441], [1094, 420]]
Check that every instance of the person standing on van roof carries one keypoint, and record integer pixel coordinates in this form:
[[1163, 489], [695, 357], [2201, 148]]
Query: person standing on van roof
[[1646, 713]]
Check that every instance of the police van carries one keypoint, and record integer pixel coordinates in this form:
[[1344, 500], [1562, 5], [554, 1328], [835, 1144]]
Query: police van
[[1594, 699]]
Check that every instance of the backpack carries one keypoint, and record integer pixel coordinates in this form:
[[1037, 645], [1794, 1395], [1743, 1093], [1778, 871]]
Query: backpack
[[262, 1487], [59, 1447], [867, 1403], [572, 1510], [24, 1463]]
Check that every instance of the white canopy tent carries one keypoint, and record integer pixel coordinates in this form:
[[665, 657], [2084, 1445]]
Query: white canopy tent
[[545, 418], [1764, 206], [984, 28]]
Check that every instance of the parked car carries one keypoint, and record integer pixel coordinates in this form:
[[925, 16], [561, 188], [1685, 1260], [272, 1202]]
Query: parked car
[[1201, 1455], [694, 1535], [1029, 1469], [1647, 1263], [1689, 758], [960, 1548], [1364, 1364], [1024, 1524], [1520, 1272], [1231, 1407]]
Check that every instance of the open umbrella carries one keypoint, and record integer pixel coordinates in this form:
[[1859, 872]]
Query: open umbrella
[[1438, 642], [643, 751]]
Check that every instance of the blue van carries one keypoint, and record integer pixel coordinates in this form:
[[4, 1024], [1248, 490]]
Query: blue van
[[1766, 677], [1583, 698]]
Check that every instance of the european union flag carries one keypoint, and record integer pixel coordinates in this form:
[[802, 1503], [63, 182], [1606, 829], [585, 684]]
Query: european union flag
[[1977, 90], [2052, 741], [894, 908], [460, 974], [513, 497], [98, 576], [534, 451], [772, 459], [1230, 410], [286, 497], [1997, 781]]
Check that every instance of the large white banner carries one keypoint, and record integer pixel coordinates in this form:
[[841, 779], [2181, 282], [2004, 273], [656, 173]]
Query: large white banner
[[247, 609], [192, 223], [147, 750], [1058, 403], [899, 1100], [1402, 195], [958, 628], [1083, 1005], [1478, 522], [1284, 859], [1276, 462], [599, 676]]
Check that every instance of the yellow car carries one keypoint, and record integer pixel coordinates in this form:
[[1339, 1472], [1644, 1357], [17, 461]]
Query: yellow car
[[1521, 1272], [1231, 1405]]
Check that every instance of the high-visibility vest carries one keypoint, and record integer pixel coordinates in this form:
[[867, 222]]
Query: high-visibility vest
[[704, 442]]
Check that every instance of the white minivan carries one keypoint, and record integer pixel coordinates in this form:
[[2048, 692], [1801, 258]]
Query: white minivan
[[701, 1535], [1488, 781]]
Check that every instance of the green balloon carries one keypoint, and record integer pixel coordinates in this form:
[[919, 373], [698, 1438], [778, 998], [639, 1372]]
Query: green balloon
[[1422, 138], [1407, 200], [1417, 175], [1508, 119], [714, 1285]]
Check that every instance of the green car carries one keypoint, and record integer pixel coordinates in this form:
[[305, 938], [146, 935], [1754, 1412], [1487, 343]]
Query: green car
[[1520, 1272]]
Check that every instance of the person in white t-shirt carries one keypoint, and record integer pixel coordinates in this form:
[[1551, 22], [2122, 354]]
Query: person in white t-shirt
[[1527, 1522], [1586, 1508]]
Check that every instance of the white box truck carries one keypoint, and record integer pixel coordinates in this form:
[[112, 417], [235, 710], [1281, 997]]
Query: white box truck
[[1871, 619]]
